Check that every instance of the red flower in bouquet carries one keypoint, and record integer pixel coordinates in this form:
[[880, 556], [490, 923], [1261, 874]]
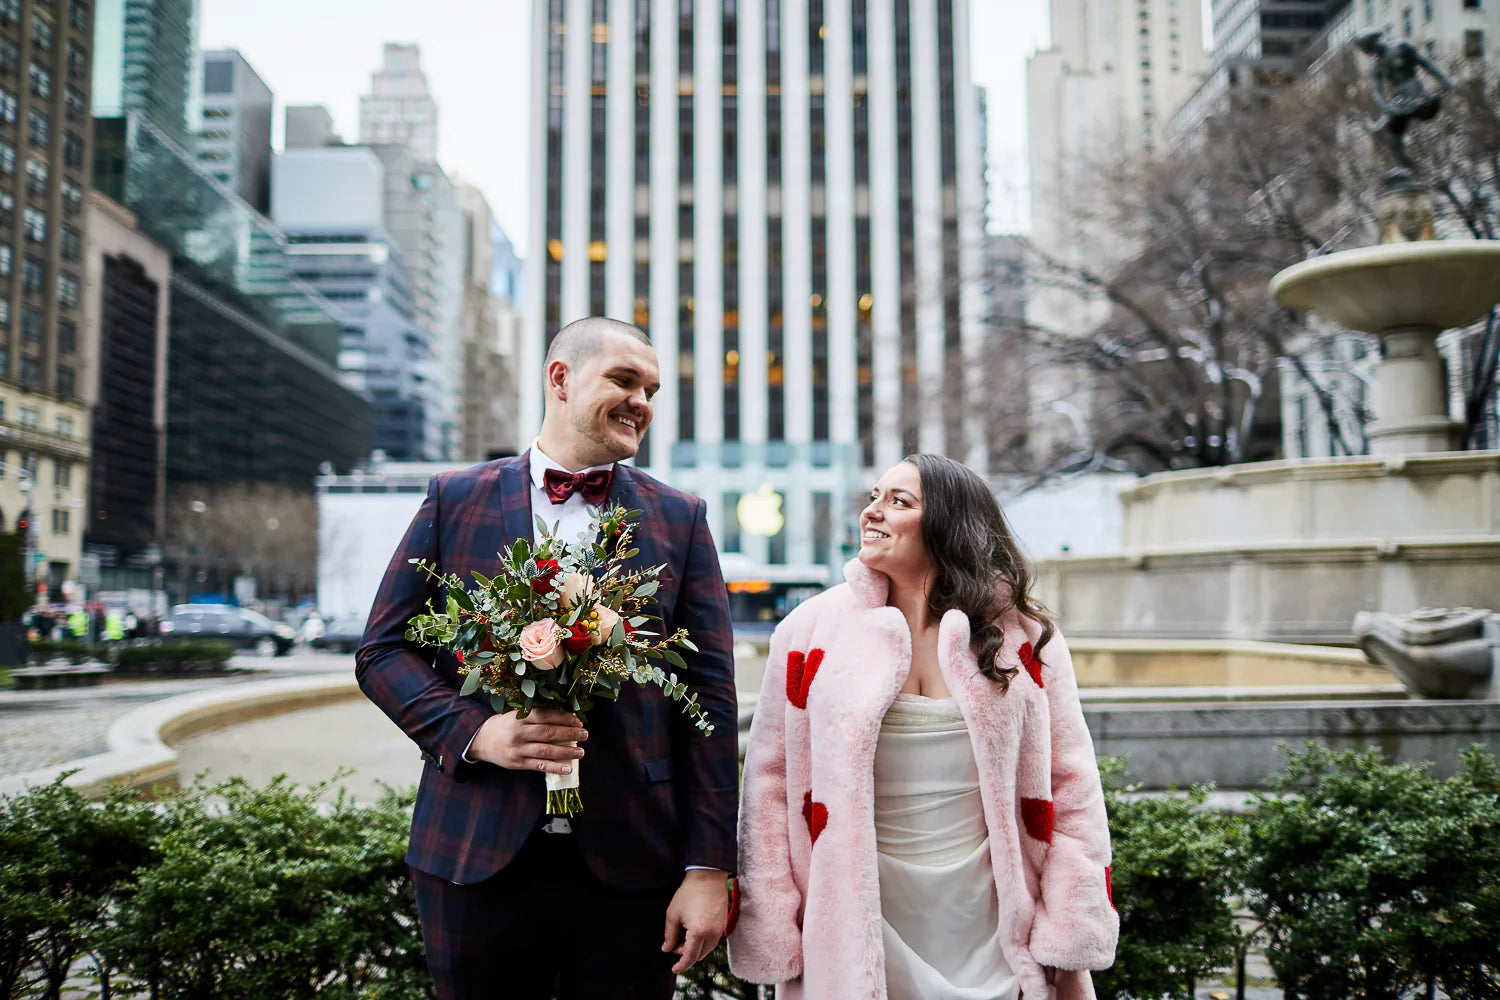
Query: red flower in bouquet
[[578, 639], [549, 568]]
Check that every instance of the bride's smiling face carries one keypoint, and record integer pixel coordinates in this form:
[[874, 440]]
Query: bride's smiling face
[[891, 526]]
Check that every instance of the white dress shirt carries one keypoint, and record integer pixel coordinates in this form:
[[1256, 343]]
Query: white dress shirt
[[574, 515]]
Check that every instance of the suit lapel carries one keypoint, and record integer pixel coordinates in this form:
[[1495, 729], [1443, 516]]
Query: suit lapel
[[515, 499]]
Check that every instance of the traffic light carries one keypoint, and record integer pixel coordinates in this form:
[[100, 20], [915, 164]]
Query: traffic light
[[23, 526]]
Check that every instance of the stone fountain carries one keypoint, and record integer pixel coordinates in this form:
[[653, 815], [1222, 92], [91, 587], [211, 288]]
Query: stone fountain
[[1255, 557]]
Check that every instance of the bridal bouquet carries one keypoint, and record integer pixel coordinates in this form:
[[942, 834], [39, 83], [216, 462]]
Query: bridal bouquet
[[560, 626]]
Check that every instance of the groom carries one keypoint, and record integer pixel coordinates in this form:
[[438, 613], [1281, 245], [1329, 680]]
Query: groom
[[616, 900]]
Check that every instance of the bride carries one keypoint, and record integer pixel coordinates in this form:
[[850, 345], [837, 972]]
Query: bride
[[922, 817]]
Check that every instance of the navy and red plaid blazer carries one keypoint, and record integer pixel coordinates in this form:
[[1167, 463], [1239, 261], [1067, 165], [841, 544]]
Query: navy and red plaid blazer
[[658, 795]]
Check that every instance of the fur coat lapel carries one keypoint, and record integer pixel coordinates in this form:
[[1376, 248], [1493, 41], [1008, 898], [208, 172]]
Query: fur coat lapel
[[808, 873]]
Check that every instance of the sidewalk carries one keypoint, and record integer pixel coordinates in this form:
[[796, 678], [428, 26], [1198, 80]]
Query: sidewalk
[[50, 728]]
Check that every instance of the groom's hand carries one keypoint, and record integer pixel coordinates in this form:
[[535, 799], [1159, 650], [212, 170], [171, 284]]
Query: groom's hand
[[696, 917], [539, 742]]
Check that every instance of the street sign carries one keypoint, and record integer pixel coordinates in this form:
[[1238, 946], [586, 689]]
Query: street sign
[[88, 570]]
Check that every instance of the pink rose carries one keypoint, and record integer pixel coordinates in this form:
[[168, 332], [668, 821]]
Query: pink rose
[[607, 621], [539, 644]]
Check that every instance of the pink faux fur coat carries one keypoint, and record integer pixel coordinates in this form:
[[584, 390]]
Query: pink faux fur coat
[[809, 893]]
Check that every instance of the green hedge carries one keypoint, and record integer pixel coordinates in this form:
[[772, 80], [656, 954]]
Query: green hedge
[[74, 651], [1368, 880], [178, 656]]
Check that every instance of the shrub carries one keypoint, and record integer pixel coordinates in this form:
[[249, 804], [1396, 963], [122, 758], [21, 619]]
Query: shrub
[[75, 651], [273, 894], [177, 656], [62, 862], [1373, 878], [1174, 870]]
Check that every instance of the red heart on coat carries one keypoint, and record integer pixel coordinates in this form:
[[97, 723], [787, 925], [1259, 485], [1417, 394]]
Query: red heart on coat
[[816, 814], [1037, 815], [800, 671], [734, 906], [1031, 663], [1109, 889]]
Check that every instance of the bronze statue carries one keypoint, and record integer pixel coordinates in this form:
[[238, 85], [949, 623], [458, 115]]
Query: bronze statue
[[1401, 96]]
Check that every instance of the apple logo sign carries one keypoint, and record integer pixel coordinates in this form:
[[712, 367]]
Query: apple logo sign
[[760, 512]]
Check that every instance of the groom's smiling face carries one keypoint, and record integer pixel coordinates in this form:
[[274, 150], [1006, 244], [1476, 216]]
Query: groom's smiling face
[[609, 398]]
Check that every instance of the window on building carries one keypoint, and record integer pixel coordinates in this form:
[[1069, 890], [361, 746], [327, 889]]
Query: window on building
[[62, 472], [75, 105], [72, 243], [67, 289], [7, 209], [73, 150], [41, 81], [31, 324], [78, 61], [78, 15], [72, 197], [31, 373], [9, 107], [67, 382], [41, 32], [1471, 4], [7, 158], [60, 520], [29, 416], [1427, 11], [5, 261], [35, 223], [34, 277], [36, 177], [38, 127], [218, 77], [10, 57], [67, 336], [1473, 44], [10, 11], [4, 358]]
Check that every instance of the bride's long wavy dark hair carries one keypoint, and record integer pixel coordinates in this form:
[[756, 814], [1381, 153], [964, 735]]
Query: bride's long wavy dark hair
[[977, 566]]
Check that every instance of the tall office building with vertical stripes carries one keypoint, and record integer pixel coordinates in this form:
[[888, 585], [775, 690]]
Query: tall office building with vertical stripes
[[787, 196]]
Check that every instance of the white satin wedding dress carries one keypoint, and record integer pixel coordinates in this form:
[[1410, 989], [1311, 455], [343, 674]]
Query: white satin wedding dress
[[937, 892]]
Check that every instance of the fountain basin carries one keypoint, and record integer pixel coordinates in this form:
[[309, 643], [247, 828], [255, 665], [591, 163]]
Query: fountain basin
[[1434, 284]]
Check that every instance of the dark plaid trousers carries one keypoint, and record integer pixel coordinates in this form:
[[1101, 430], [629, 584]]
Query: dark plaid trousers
[[545, 927]]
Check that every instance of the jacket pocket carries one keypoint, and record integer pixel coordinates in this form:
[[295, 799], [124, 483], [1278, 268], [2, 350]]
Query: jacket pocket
[[657, 769]]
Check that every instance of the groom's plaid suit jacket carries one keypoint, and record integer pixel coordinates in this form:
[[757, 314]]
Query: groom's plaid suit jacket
[[658, 795]]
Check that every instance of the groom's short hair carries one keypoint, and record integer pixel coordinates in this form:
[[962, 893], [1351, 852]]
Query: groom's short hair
[[581, 338]]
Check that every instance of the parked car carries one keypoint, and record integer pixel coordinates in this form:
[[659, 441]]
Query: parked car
[[245, 628], [341, 635]]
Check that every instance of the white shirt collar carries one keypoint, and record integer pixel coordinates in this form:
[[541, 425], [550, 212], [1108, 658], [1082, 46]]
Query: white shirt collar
[[541, 462]]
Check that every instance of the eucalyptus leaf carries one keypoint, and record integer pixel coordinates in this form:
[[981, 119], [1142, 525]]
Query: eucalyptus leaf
[[646, 589], [471, 683], [498, 703], [675, 660], [528, 687], [688, 643]]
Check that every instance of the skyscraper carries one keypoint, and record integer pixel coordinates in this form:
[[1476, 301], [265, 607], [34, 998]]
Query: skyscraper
[[45, 142], [144, 61], [399, 109], [786, 195], [234, 136], [330, 201]]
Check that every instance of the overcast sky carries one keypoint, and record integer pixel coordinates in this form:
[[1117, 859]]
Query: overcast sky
[[476, 56]]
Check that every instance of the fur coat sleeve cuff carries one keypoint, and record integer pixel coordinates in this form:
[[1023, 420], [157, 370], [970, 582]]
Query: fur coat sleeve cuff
[[1076, 926], [766, 946]]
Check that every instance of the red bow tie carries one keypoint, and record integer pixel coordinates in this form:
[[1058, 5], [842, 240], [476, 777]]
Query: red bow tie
[[593, 485]]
